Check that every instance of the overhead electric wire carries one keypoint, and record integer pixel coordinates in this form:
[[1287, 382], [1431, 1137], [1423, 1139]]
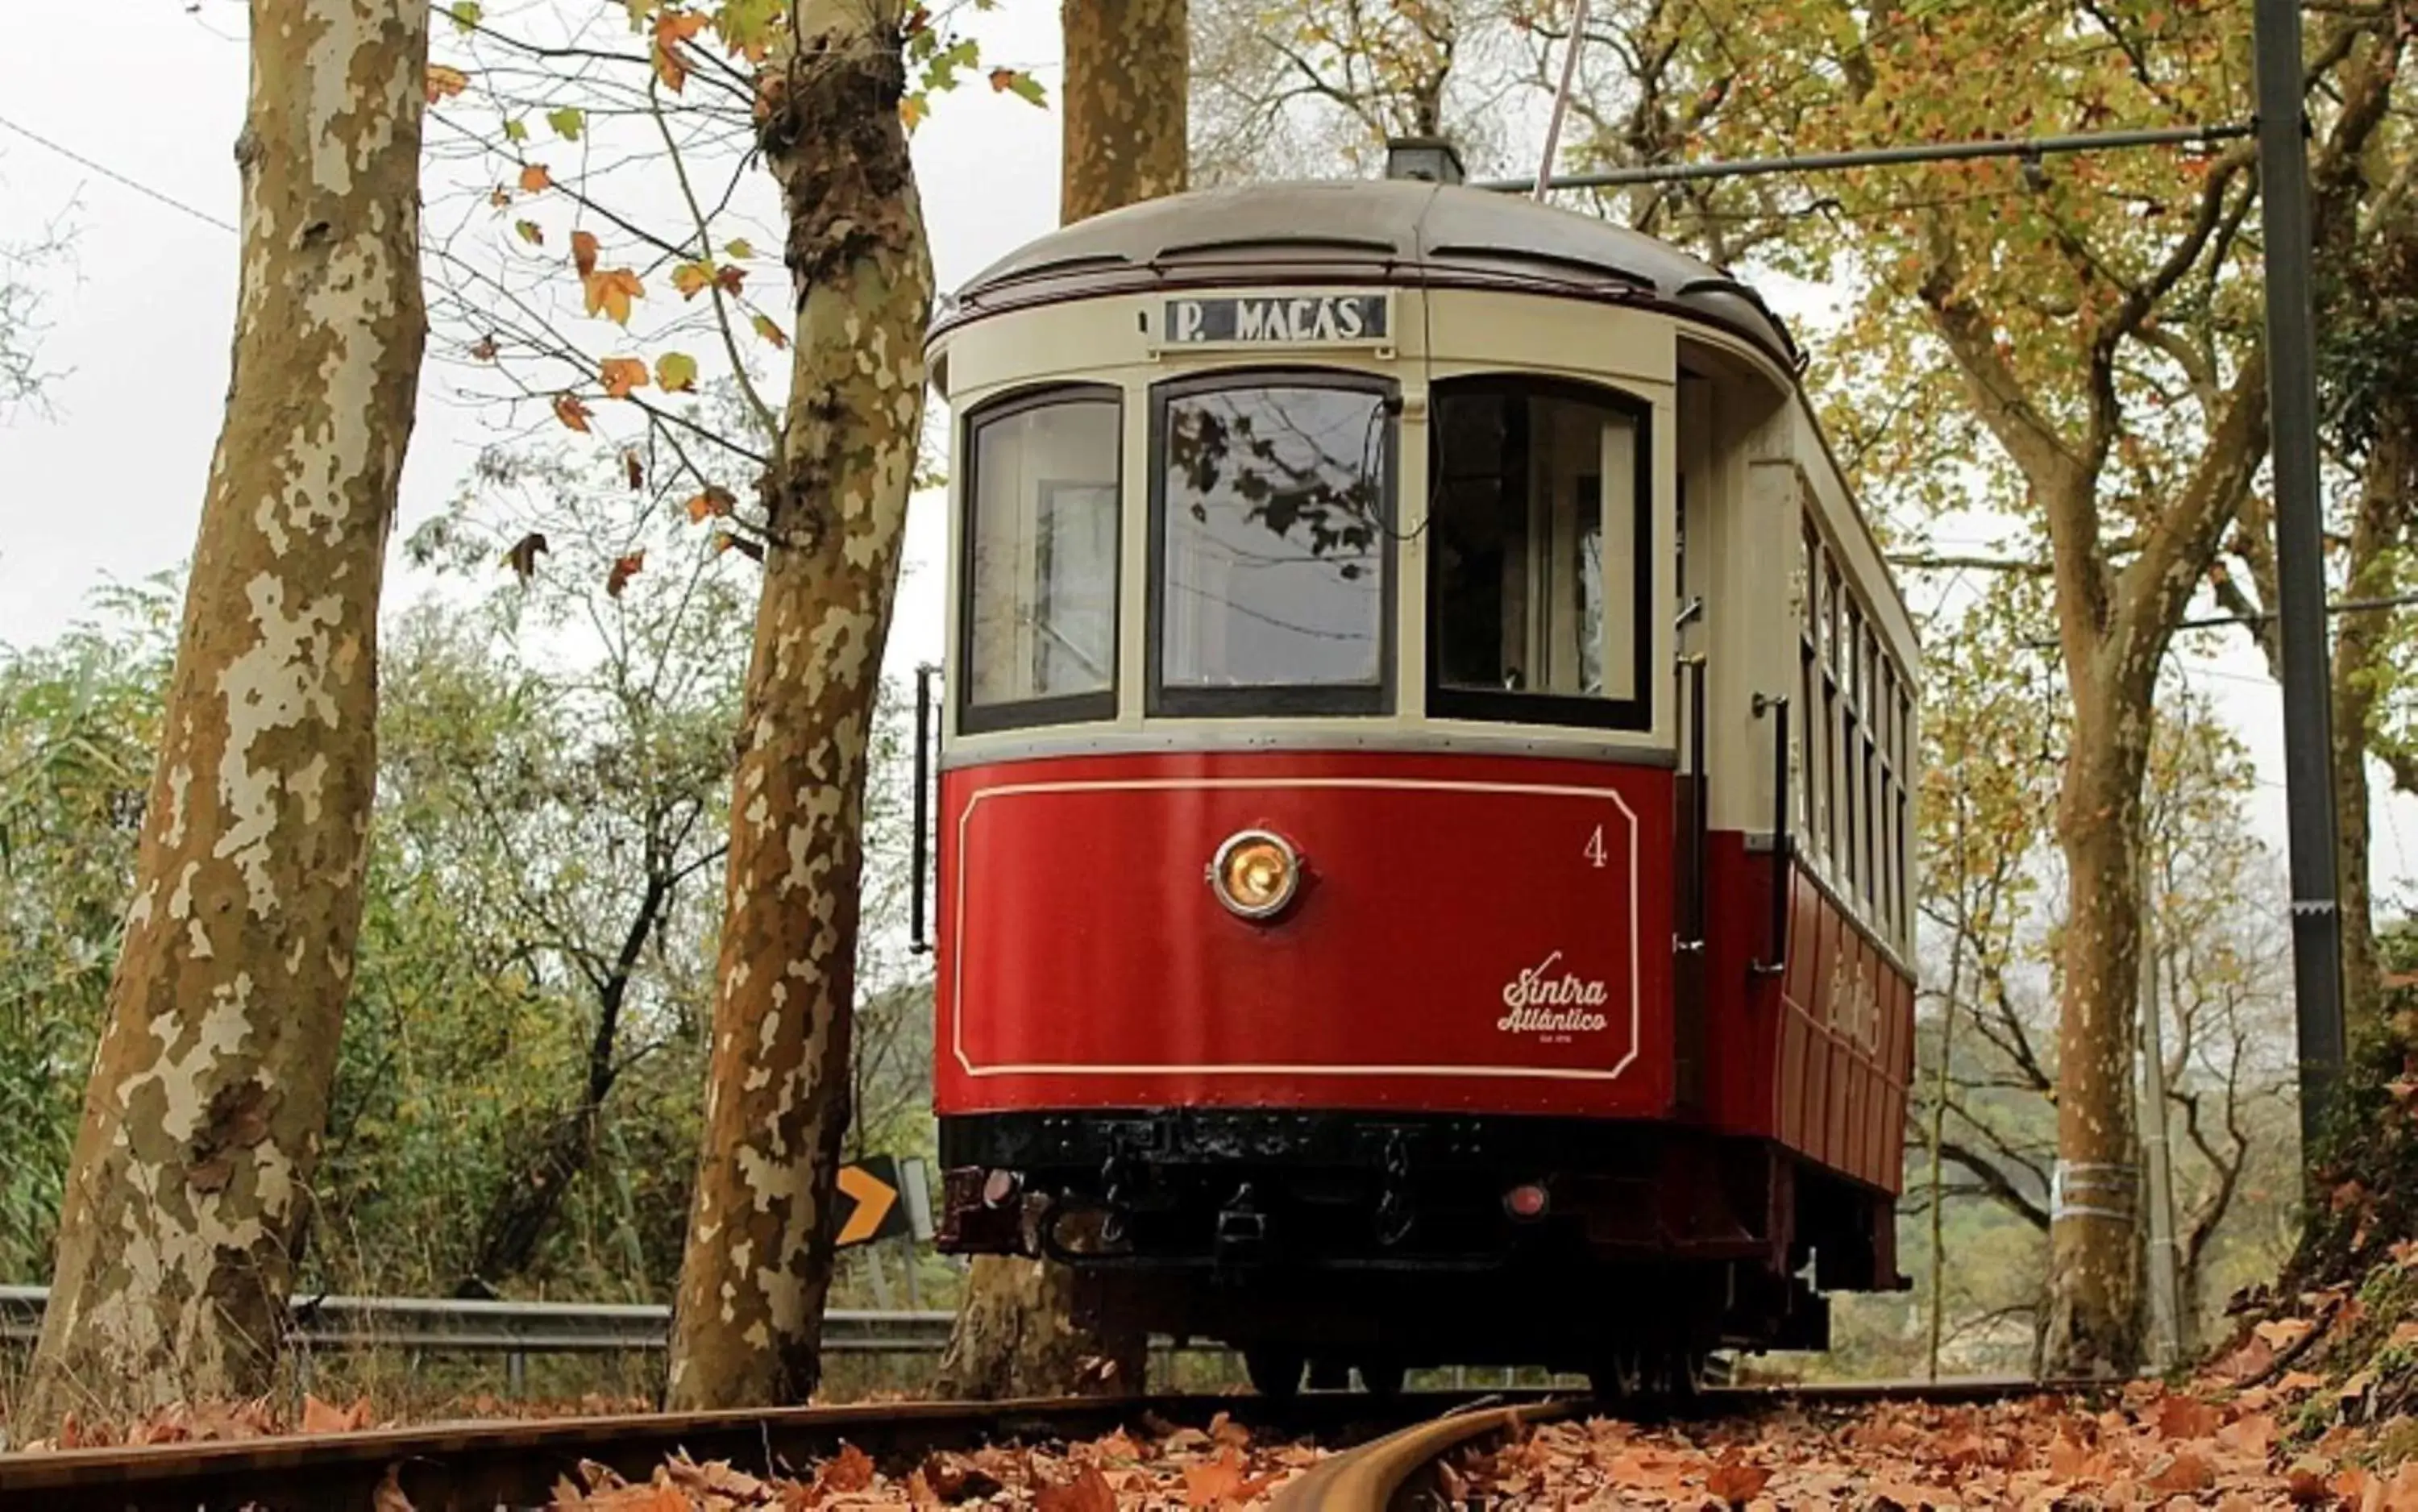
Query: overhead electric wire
[[2396, 601], [115, 176], [1812, 162]]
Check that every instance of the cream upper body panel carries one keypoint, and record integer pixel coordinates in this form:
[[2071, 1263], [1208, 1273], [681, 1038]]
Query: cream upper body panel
[[1431, 337]]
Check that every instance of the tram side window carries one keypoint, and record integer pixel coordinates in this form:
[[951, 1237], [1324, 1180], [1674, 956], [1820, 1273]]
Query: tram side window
[[1274, 510], [1905, 748], [1041, 569], [1849, 779], [1892, 774], [1810, 745], [1541, 594]]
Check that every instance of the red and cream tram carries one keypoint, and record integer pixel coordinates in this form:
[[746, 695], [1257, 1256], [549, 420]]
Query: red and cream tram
[[1424, 800]]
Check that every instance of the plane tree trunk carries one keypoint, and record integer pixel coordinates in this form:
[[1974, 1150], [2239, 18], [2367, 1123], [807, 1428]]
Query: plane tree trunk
[[2368, 257], [746, 1325], [2094, 1324], [1123, 106], [2116, 616], [185, 1202], [2356, 680], [2361, 648], [1024, 1329]]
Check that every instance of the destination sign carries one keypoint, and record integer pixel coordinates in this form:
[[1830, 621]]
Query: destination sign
[[1279, 320]]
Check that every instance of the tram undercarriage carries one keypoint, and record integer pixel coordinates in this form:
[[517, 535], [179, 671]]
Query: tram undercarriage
[[1385, 1242]]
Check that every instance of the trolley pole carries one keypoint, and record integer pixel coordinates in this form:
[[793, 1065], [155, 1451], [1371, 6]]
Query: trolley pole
[[2300, 563]]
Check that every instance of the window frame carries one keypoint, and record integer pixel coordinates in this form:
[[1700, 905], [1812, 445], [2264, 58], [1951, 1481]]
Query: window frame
[[1097, 706], [1502, 706], [1359, 699]]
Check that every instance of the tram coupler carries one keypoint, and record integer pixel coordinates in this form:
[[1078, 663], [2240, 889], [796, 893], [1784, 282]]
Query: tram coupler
[[982, 1211]]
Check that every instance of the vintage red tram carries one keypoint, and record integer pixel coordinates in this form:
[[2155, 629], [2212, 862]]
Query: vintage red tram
[[1425, 791]]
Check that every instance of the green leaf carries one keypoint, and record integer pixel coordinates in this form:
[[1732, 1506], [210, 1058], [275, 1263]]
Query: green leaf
[[739, 249], [567, 122], [749, 26], [941, 71], [516, 129], [676, 372], [1022, 85], [465, 13], [531, 232]]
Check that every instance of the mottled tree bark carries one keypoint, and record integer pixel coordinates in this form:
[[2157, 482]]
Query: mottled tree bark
[[1123, 105], [2356, 679], [2360, 642], [185, 1205], [2093, 1324], [1023, 1331], [1128, 78], [2114, 625], [747, 1321], [2366, 272]]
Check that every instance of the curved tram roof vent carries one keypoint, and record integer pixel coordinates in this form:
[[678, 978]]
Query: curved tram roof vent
[[1432, 159]]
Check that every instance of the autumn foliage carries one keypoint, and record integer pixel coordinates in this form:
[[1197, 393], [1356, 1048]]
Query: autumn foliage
[[2252, 1431], [2369, 1150], [2150, 1448], [2345, 1313], [1221, 1466], [2230, 1441]]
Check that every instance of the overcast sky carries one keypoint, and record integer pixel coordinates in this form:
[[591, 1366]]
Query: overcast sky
[[108, 486], [140, 316]]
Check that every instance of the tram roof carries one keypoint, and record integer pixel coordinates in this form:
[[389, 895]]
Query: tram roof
[[1396, 231]]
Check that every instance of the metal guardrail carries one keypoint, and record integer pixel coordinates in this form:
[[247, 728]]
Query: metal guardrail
[[466, 1326]]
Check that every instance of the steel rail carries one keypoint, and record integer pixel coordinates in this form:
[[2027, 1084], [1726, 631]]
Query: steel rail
[[1396, 1471], [1380, 1476], [482, 1465]]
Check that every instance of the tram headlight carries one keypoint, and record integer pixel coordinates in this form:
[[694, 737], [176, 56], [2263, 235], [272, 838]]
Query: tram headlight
[[1255, 874]]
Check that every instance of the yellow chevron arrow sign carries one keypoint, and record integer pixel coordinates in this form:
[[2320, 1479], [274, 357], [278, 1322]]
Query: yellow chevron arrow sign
[[872, 1186]]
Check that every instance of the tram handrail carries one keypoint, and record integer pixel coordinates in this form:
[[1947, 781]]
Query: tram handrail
[[1776, 705], [919, 845]]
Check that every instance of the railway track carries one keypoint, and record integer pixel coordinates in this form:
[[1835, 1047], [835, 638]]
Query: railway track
[[483, 1465], [1390, 1445], [1400, 1472]]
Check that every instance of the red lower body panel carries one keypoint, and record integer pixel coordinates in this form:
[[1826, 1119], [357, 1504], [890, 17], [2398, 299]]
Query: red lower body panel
[[1472, 933], [1847, 1044], [1819, 1056]]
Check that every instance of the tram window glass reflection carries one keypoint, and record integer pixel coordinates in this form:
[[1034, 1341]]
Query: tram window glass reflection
[[1042, 562], [1274, 516], [1539, 593]]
